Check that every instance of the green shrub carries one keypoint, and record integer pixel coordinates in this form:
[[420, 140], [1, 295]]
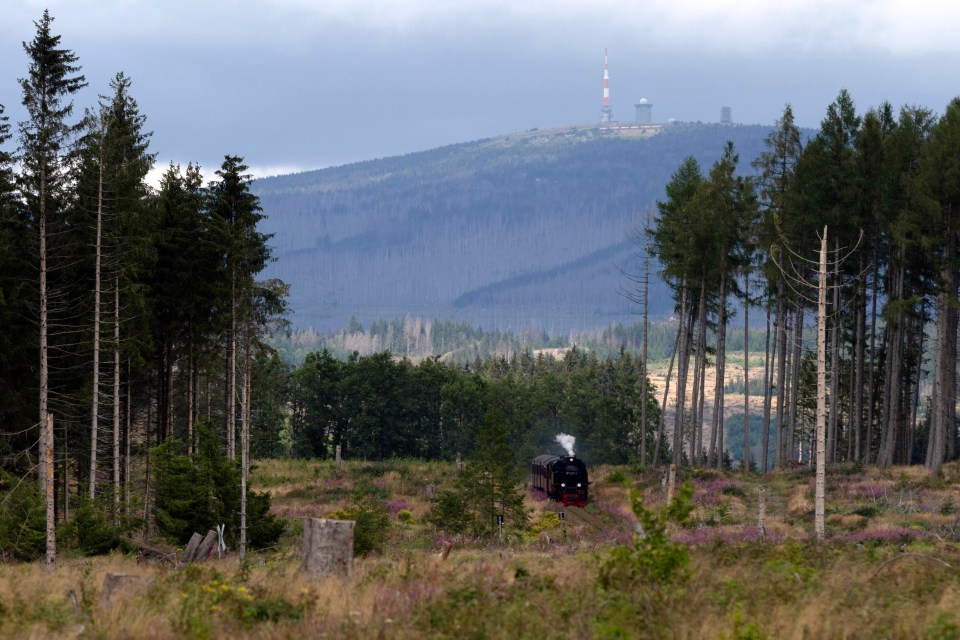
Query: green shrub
[[196, 493], [734, 490], [867, 510], [373, 522], [652, 559], [617, 477], [450, 513], [23, 519], [92, 531]]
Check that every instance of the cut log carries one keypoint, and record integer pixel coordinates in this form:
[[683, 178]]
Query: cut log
[[207, 546], [190, 553]]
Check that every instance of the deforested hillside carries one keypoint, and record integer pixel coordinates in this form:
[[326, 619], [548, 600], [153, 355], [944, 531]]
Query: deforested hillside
[[520, 230]]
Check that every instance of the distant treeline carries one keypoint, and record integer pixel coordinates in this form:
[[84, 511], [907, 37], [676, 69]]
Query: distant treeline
[[379, 406]]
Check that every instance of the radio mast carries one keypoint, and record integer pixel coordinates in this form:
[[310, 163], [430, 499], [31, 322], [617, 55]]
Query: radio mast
[[606, 113]]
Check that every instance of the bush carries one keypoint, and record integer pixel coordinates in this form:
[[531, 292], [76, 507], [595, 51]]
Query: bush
[[196, 493], [23, 519], [373, 522], [653, 559], [617, 476], [92, 531], [450, 513]]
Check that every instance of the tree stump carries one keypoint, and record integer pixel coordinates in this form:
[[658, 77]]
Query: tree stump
[[327, 546], [117, 586], [671, 483], [431, 490]]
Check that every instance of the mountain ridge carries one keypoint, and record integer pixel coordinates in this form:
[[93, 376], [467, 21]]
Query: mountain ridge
[[497, 231]]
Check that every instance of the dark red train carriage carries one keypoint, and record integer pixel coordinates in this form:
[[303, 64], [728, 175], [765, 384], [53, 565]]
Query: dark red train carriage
[[561, 478]]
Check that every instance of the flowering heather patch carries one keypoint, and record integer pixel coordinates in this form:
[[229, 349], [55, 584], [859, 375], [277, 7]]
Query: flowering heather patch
[[616, 510], [708, 492], [707, 535], [883, 535], [395, 506], [398, 603], [312, 510], [869, 490]]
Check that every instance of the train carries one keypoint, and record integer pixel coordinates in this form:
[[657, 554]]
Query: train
[[561, 478]]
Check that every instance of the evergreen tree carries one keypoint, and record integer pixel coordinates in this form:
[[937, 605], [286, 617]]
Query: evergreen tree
[[491, 478], [235, 212], [940, 193], [44, 138]]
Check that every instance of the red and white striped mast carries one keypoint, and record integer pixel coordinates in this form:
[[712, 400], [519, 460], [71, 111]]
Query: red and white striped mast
[[606, 113]]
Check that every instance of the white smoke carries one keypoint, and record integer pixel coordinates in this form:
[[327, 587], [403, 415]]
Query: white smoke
[[566, 442]]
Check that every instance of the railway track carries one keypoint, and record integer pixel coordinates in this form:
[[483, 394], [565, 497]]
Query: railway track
[[582, 515]]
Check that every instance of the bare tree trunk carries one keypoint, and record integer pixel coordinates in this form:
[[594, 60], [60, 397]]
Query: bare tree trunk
[[116, 399], [646, 370], [832, 434], [856, 420], [245, 441], [662, 427], [795, 379], [231, 391], [716, 421], [767, 375], [871, 401], [700, 410], [891, 401], [696, 406], [44, 366], [917, 375], [95, 404], [780, 459], [683, 357], [147, 520], [943, 403], [746, 369], [820, 492], [126, 453], [50, 486]]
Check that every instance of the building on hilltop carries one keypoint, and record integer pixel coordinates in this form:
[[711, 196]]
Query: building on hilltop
[[644, 111]]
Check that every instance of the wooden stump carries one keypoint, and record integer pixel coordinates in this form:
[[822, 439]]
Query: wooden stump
[[431, 490], [671, 483], [445, 552], [117, 586], [327, 546]]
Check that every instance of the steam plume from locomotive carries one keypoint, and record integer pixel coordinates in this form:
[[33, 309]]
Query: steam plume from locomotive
[[566, 441]]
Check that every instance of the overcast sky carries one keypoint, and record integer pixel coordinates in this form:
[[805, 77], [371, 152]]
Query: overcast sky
[[300, 84]]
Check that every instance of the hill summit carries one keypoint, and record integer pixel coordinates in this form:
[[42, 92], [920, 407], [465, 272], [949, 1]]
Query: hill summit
[[521, 230]]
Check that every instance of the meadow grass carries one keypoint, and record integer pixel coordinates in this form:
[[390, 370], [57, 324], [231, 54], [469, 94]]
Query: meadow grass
[[890, 567]]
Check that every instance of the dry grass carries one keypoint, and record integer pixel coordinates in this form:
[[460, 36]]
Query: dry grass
[[883, 583], [799, 503]]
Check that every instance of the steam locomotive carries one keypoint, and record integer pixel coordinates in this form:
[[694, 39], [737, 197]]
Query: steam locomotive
[[561, 478]]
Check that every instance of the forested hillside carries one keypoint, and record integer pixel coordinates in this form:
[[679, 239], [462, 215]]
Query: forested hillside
[[522, 230]]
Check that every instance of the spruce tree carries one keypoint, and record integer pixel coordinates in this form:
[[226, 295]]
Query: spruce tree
[[44, 139]]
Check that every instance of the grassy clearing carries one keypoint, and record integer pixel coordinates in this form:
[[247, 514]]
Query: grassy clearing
[[890, 569]]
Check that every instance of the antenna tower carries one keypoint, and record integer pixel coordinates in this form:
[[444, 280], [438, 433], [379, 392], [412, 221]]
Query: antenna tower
[[606, 113]]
